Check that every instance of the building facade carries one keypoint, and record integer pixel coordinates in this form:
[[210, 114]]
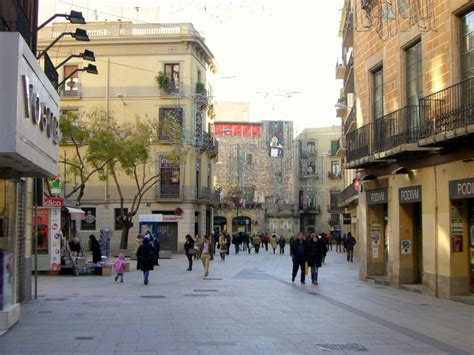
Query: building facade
[[409, 141], [129, 58], [29, 113], [256, 173], [319, 179]]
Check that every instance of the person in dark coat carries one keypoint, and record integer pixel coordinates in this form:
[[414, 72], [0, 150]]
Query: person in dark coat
[[315, 256], [156, 246], [94, 246], [350, 242], [228, 242], [299, 255], [145, 259], [190, 252], [281, 243]]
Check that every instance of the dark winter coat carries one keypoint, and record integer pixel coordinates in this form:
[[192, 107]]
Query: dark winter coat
[[350, 242], [188, 244], [294, 249], [95, 248], [315, 254], [145, 257], [282, 242]]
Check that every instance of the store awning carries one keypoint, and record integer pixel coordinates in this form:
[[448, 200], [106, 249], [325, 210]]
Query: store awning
[[76, 213]]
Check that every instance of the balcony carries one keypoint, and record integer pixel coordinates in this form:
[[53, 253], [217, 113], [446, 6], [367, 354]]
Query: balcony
[[340, 69], [204, 193], [310, 208], [348, 31], [347, 196], [166, 192], [341, 106], [349, 123], [334, 176], [448, 114], [349, 75], [397, 133], [210, 144], [281, 210], [308, 175]]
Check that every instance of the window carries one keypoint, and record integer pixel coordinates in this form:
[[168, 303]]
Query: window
[[334, 146], [311, 219], [467, 46], [198, 127], [334, 200], [170, 126], [172, 72], [377, 93], [88, 223], [209, 175], [198, 174], [311, 148], [117, 220], [169, 178], [414, 74], [199, 76], [335, 168], [71, 86], [311, 168]]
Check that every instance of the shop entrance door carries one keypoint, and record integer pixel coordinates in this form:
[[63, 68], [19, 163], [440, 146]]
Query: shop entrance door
[[168, 234], [417, 244], [470, 204]]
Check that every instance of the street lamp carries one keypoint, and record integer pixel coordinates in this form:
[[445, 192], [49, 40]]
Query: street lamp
[[91, 69], [86, 55], [73, 17], [79, 35]]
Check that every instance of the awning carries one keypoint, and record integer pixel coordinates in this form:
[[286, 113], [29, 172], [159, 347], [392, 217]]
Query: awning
[[76, 213]]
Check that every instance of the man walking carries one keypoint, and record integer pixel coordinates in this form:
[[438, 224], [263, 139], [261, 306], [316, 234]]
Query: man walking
[[350, 242], [207, 250], [299, 255]]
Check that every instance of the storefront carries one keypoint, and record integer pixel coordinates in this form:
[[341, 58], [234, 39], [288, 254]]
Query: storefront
[[378, 238], [28, 148]]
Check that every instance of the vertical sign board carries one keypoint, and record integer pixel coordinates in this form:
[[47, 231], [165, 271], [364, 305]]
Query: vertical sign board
[[55, 235], [376, 197], [458, 190], [375, 230]]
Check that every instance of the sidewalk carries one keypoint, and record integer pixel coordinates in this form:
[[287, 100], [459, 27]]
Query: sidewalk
[[248, 305]]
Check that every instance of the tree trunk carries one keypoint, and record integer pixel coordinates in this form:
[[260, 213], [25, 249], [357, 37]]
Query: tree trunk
[[127, 224]]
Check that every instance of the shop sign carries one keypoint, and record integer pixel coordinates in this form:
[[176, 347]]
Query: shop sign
[[53, 202], [169, 218], [55, 233], [376, 197], [460, 189], [410, 194], [346, 218]]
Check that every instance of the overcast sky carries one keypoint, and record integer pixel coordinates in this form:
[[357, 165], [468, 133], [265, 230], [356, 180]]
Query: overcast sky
[[278, 55]]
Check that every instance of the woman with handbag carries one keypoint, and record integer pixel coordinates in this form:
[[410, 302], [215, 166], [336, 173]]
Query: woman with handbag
[[145, 259], [222, 246], [190, 251]]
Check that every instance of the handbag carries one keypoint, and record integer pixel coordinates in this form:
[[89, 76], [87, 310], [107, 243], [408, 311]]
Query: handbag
[[191, 251]]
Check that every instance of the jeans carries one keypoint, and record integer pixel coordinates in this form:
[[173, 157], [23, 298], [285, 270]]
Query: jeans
[[145, 276], [206, 258], [298, 263], [350, 254], [282, 250], [314, 273], [190, 261]]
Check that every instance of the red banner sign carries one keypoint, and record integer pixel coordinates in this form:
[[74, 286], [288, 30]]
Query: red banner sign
[[53, 202]]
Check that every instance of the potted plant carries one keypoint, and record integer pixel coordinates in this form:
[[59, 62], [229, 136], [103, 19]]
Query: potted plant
[[201, 89], [164, 82]]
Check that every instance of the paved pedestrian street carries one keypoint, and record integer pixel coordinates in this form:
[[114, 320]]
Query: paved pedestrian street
[[248, 305]]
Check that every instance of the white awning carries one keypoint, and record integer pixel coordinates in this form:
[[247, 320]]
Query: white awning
[[75, 210], [76, 213]]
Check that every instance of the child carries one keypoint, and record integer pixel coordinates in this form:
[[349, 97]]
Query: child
[[119, 267]]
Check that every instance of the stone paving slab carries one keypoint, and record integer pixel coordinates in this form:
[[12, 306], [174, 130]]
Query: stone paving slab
[[248, 306]]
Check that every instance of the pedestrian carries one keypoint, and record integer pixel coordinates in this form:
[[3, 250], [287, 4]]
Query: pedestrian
[[207, 250], [344, 239], [338, 240], [273, 242], [256, 243], [282, 243], [148, 235], [156, 246], [190, 251], [197, 244], [119, 267], [228, 242], [145, 259], [266, 239], [299, 255], [222, 246], [94, 246], [350, 242], [251, 238], [315, 256], [324, 239], [138, 242], [236, 242]]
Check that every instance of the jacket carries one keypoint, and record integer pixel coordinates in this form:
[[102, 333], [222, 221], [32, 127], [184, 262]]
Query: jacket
[[315, 252], [120, 264], [188, 244], [350, 242], [145, 257], [294, 250], [273, 241], [211, 248]]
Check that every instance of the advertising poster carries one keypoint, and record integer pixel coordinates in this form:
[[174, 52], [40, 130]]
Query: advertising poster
[[276, 138], [55, 244], [375, 238], [40, 227], [456, 228]]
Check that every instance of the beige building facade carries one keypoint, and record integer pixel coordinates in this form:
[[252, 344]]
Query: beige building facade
[[128, 58], [319, 179], [408, 138]]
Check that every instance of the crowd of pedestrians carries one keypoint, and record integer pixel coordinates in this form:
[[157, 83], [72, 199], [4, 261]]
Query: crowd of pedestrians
[[307, 253]]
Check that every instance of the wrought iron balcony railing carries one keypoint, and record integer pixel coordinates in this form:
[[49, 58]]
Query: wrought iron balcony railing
[[334, 176], [168, 191], [349, 122], [359, 142], [449, 108], [399, 127], [347, 193]]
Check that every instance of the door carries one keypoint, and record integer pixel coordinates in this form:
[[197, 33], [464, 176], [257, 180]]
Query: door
[[168, 234], [417, 245], [470, 203]]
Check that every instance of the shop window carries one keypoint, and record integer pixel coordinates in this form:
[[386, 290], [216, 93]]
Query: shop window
[[117, 220], [89, 221]]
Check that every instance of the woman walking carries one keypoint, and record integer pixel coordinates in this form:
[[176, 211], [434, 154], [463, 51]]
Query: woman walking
[[207, 250], [190, 252], [222, 246], [145, 259], [273, 242]]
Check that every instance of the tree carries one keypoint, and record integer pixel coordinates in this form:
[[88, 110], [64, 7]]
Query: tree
[[83, 164]]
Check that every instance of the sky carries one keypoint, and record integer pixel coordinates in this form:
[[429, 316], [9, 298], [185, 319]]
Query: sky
[[278, 55]]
